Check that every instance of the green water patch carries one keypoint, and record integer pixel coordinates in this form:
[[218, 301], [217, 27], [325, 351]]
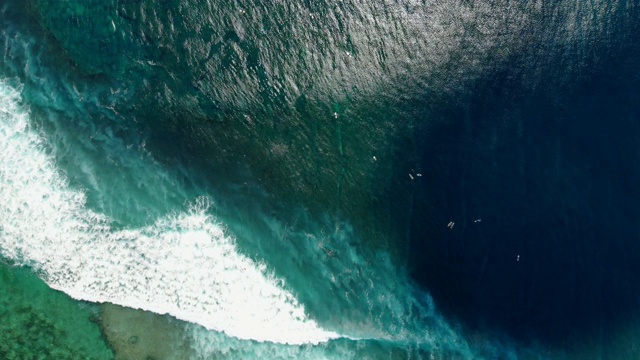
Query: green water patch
[[37, 322]]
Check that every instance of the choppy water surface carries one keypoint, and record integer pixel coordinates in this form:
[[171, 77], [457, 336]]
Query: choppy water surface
[[275, 180]]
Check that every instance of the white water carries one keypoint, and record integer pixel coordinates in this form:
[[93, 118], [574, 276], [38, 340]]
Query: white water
[[184, 264]]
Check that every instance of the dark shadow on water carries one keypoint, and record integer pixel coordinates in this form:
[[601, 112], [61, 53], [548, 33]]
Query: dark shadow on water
[[542, 185]]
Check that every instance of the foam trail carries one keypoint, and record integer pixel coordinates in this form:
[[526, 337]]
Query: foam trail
[[183, 264]]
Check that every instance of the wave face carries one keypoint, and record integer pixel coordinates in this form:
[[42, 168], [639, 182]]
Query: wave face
[[187, 265]]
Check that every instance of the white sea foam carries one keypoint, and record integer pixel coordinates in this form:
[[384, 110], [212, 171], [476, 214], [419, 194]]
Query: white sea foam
[[183, 264]]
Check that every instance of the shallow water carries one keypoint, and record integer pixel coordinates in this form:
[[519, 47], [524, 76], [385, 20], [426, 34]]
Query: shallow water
[[275, 180]]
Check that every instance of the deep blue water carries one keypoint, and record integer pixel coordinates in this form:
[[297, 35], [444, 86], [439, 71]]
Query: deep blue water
[[551, 173], [387, 180]]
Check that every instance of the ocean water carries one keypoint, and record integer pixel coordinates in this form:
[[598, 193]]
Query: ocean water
[[318, 180]]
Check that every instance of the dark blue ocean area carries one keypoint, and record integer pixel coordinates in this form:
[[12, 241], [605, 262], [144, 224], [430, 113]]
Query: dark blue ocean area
[[395, 179]]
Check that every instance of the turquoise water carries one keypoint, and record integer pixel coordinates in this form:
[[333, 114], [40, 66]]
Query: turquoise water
[[258, 180]]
